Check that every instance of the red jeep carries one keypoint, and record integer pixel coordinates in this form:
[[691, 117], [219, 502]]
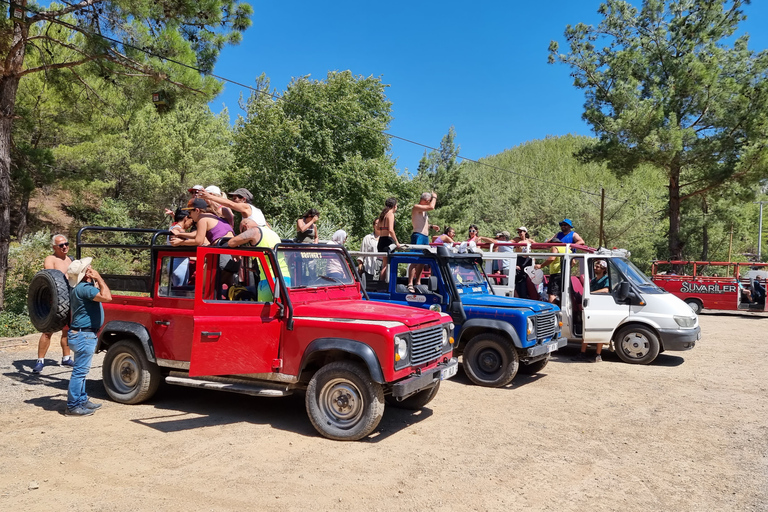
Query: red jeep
[[267, 323]]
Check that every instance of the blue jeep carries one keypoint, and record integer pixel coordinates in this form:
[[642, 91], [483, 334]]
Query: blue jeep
[[496, 334]]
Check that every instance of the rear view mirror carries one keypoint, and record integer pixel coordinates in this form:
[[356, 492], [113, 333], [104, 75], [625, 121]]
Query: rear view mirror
[[622, 292]]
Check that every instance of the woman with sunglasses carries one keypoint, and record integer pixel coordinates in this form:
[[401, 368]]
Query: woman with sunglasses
[[473, 234]]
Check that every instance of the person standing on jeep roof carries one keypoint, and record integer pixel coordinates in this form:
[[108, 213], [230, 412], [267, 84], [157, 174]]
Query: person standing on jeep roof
[[420, 234], [567, 235], [209, 226], [87, 315], [60, 261]]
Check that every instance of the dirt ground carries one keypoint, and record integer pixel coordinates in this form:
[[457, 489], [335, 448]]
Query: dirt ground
[[688, 432]]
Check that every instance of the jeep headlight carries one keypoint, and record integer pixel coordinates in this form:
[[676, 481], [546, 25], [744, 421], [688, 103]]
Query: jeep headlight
[[685, 321], [435, 307], [401, 348], [530, 328]]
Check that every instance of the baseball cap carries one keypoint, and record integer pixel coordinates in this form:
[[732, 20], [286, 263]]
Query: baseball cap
[[567, 221], [242, 192], [213, 189], [196, 187], [502, 233], [523, 228], [196, 203]]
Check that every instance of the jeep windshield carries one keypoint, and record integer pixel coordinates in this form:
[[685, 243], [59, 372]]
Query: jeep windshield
[[468, 276], [313, 267], [636, 276]]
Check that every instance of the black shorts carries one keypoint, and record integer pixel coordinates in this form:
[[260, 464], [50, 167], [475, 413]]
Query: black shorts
[[555, 286], [384, 243]]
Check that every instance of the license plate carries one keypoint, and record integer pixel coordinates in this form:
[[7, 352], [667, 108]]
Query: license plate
[[551, 347], [698, 336], [449, 372]]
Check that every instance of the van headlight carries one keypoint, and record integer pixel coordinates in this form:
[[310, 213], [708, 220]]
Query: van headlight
[[685, 321], [401, 348]]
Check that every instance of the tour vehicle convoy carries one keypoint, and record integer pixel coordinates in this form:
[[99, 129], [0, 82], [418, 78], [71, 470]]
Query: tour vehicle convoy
[[496, 335], [636, 318], [730, 286], [267, 323]]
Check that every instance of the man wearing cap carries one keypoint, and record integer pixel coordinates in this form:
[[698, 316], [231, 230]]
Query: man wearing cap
[[87, 315], [240, 202], [567, 235]]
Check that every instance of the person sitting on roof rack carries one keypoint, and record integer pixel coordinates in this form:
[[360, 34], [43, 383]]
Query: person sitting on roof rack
[[474, 234], [240, 202], [447, 237]]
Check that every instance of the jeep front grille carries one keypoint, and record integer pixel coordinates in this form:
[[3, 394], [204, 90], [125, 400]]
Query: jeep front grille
[[546, 325], [426, 345]]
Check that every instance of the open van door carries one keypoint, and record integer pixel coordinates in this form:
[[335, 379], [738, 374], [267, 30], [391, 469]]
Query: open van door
[[602, 309]]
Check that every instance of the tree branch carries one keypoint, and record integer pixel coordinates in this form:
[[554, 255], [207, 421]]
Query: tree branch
[[54, 14], [57, 66]]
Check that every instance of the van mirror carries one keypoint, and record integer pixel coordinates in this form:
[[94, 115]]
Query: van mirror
[[622, 292]]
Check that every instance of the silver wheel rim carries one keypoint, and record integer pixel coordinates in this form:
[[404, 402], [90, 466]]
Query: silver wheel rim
[[341, 403], [694, 307], [124, 373], [635, 345]]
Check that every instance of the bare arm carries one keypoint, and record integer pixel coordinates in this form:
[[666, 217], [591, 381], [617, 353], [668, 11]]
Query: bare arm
[[303, 226], [252, 235], [48, 264], [578, 240], [104, 294], [391, 230], [196, 237], [243, 208]]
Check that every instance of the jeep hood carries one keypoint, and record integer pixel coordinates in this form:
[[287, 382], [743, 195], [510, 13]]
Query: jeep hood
[[368, 311], [500, 301]]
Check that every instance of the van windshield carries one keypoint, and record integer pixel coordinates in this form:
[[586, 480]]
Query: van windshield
[[636, 276]]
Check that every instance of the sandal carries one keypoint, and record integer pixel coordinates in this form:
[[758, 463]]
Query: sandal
[[411, 289]]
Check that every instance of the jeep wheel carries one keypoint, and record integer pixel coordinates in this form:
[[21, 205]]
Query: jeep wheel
[[417, 400], [636, 345], [128, 376], [48, 301], [534, 367], [490, 360], [343, 402]]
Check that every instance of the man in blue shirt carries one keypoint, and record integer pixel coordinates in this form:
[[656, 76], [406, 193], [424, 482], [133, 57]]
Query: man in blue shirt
[[87, 314], [567, 235]]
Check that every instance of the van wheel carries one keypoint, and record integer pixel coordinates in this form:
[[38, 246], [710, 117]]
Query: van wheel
[[128, 376], [48, 301], [490, 360], [535, 367], [343, 402], [695, 305], [417, 400], [637, 345]]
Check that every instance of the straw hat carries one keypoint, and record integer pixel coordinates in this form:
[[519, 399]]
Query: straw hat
[[76, 271]]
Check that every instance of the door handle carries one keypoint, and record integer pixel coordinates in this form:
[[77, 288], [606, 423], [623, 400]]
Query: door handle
[[211, 334], [163, 322], [585, 303]]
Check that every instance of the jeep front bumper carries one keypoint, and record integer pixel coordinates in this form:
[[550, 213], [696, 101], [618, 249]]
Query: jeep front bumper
[[429, 378], [545, 348]]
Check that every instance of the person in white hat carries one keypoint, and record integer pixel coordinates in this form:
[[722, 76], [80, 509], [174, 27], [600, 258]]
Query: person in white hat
[[86, 316], [213, 196]]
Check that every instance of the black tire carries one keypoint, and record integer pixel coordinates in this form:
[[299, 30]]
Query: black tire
[[343, 402], [535, 367], [490, 360], [695, 305], [417, 400], [48, 301], [636, 345], [128, 376]]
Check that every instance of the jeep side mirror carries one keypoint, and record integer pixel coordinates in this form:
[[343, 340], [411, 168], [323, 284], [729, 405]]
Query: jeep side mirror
[[622, 292]]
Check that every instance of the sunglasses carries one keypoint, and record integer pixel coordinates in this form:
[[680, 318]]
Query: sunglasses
[[61, 246], [473, 231], [238, 197]]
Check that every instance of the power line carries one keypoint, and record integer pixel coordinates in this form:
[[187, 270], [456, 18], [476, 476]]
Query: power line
[[53, 19]]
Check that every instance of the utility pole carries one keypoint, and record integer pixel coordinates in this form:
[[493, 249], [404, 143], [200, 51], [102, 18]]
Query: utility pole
[[602, 214]]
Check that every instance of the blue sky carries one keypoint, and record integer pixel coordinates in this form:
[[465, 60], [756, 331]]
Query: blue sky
[[480, 67]]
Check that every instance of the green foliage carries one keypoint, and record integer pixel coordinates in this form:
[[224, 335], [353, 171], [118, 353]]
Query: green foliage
[[664, 87], [15, 324], [319, 145], [25, 259]]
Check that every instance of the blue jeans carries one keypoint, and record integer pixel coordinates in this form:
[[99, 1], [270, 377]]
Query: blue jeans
[[83, 345]]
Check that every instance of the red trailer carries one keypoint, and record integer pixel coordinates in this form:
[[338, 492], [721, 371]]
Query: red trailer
[[714, 284]]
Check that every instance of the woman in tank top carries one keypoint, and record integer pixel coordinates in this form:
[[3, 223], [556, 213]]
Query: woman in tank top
[[385, 230], [210, 228], [306, 227]]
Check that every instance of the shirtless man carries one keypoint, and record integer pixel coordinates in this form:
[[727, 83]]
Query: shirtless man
[[420, 234], [60, 261]]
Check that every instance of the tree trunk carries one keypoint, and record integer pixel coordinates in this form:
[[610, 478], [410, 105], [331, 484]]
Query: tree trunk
[[704, 232], [9, 85], [675, 247], [21, 227]]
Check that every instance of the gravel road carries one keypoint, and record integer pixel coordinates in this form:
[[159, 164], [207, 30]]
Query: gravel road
[[686, 433]]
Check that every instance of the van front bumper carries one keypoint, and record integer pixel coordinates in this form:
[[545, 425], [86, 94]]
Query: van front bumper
[[679, 339]]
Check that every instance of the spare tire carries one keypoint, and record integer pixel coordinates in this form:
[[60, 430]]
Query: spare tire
[[48, 301]]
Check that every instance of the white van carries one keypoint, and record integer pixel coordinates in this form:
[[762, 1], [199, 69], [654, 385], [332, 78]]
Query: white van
[[635, 318]]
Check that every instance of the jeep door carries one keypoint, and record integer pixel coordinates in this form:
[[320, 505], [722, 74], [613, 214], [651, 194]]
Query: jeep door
[[237, 322]]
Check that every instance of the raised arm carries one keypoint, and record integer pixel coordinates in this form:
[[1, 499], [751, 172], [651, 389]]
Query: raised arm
[[104, 295], [243, 208]]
